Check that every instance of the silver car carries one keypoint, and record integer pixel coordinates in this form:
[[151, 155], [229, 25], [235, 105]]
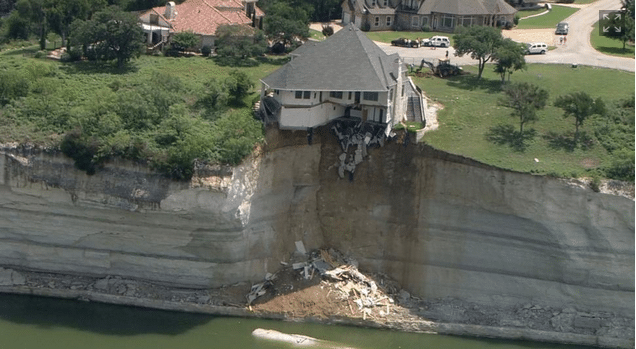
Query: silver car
[[562, 28]]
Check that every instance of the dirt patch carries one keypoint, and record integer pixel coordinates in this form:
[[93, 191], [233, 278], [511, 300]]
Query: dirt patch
[[590, 163], [532, 35]]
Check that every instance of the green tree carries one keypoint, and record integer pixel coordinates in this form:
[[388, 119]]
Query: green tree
[[33, 11], [239, 41], [481, 42], [525, 99], [111, 34], [214, 99], [17, 27], [238, 85], [510, 58], [325, 10], [580, 106], [286, 24], [61, 13], [184, 40]]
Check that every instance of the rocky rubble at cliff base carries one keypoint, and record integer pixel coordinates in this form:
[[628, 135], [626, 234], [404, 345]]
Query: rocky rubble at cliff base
[[295, 297]]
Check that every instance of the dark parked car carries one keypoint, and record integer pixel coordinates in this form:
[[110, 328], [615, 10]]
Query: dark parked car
[[562, 28], [405, 42]]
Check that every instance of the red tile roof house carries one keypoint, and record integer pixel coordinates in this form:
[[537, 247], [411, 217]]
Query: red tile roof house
[[201, 17]]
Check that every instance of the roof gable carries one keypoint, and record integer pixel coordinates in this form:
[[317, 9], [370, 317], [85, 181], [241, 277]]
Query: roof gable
[[346, 61]]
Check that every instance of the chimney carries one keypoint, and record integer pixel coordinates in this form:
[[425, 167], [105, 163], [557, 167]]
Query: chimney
[[171, 11], [249, 7]]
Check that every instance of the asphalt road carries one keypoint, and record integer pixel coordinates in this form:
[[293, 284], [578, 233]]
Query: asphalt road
[[577, 50]]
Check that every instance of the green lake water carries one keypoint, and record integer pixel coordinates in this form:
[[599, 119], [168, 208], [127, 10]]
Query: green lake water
[[35, 322]]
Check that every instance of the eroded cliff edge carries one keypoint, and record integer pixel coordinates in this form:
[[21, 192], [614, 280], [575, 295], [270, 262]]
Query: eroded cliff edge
[[442, 225]]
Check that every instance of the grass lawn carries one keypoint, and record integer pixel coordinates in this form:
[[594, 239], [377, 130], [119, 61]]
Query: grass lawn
[[316, 35], [583, 2], [388, 36], [526, 13], [610, 46], [471, 110], [550, 20]]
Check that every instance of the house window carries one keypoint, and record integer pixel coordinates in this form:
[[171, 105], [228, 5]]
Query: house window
[[415, 21], [377, 21], [388, 21], [381, 115], [386, 3], [154, 18], [349, 95], [303, 94], [467, 21], [448, 21], [336, 94], [372, 2], [424, 21], [370, 96], [391, 95]]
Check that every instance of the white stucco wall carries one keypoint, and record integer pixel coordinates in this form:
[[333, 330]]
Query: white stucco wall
[[302, 118]]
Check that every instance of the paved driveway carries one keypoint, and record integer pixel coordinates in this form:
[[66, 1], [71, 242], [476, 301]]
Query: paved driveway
[[577, 50]]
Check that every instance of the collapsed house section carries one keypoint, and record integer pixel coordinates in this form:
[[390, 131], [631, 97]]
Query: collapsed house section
[[355, 138], [346, 81]]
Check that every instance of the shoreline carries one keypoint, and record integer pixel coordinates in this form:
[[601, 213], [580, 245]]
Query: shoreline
[[413, 326]]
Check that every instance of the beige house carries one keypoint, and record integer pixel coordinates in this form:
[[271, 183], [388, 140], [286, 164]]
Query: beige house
[[201, 17], [438, 15]]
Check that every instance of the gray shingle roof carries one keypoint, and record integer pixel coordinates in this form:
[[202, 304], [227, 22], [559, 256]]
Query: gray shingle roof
[[466, 7], [346, 61], [499, 7]]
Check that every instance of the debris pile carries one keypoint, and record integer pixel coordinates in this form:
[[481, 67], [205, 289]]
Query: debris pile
[[340, 275], [354, 132]]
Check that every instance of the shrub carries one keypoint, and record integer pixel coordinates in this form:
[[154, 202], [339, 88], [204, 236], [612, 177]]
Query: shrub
[[206, 50], [327, 30], [622, 165], [278, 48], [13, 85], [366, 26], [595, 183], [184, 40], [73, 55], [516, 20], [426, 28], [82, 149]]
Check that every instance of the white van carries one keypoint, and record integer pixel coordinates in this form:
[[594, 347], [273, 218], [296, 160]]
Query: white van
[[536, 47], [437, 41]]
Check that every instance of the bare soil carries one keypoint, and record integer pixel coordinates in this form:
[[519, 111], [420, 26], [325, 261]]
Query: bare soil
[[532, 35]]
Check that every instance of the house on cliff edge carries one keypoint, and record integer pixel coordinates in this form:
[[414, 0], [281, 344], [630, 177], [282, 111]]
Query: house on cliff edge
[[346, 76], [201, 17]]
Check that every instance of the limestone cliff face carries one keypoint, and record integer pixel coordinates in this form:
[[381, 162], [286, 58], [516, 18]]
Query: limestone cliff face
[[440, 224]]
